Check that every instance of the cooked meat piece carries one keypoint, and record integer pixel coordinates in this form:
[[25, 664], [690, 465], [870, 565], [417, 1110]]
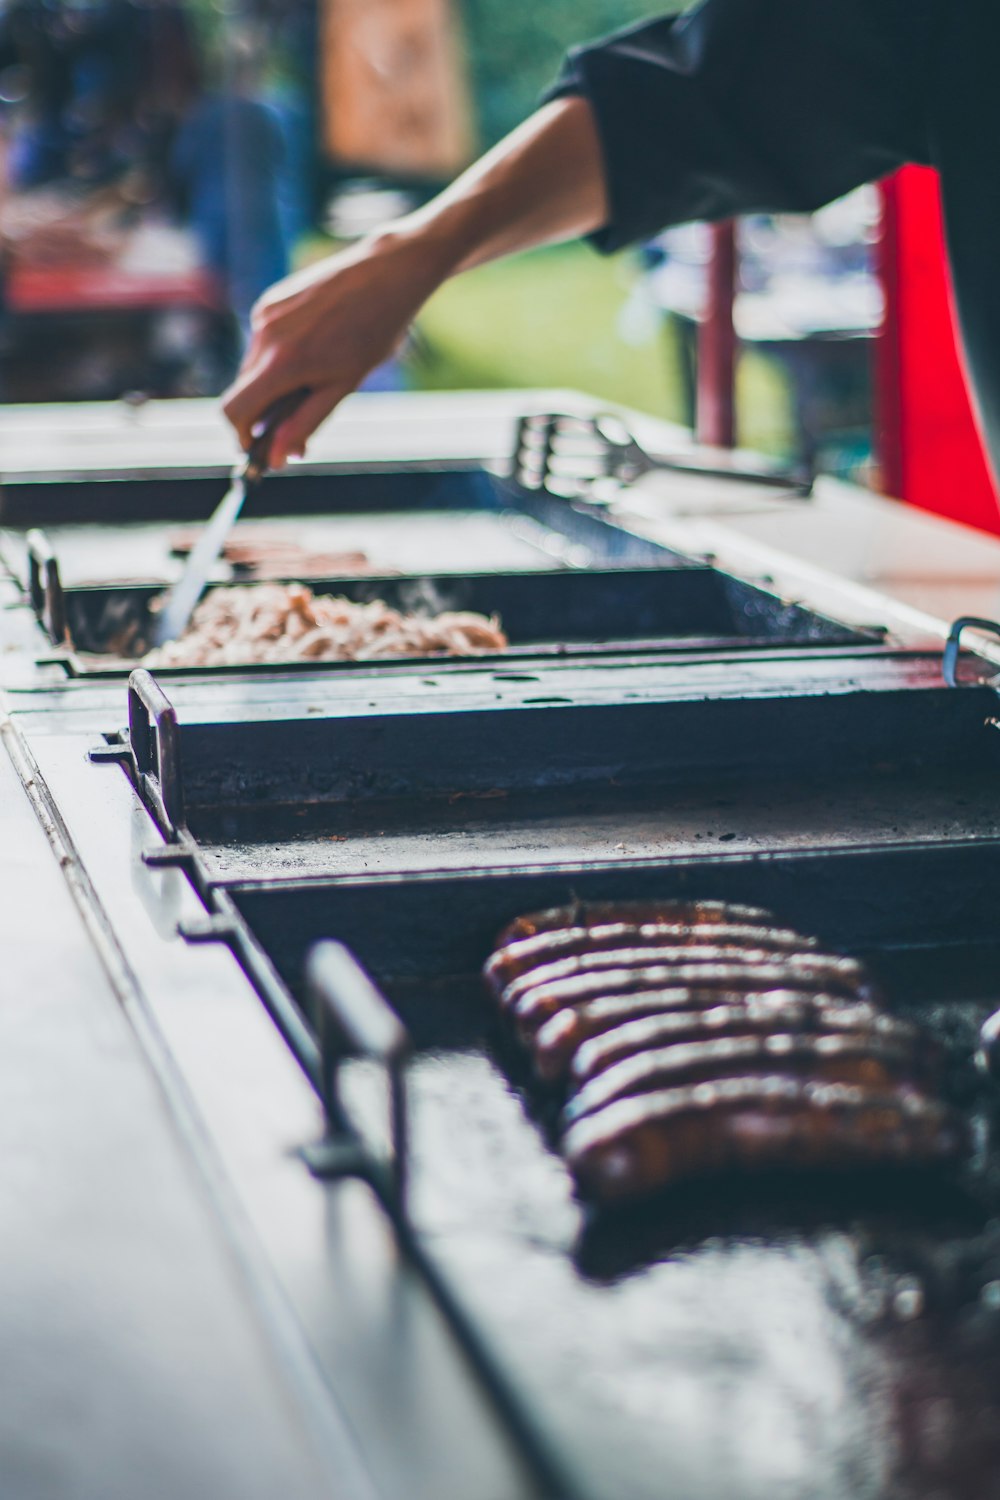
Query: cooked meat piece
[[674, 986], [640, 960], [599, 913], [559, 1041], [638, 1145], [856, 1057], [272, 554], [793, 971], [520, 958], [789, 1012], [276, 622]]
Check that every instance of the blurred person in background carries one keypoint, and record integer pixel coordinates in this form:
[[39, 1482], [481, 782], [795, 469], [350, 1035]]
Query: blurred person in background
[[89, 99], [734, 107], [36, 58], [96, 86], [231, 164]]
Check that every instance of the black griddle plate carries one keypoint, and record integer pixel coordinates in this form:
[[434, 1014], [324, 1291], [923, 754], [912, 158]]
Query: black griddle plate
[[806, 1337], [405, 734], [460, 539]]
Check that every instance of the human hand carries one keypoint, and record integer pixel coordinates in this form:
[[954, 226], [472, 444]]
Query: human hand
[[324, 329]]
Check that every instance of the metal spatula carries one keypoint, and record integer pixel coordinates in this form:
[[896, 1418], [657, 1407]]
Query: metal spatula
[[171, 620]]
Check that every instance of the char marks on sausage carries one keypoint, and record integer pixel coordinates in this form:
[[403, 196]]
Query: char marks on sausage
[[597, 1041], [697, 1037], [854, 1057], [675, 985], [596, 913], [597, 967], [638, 1145], [519, 959]]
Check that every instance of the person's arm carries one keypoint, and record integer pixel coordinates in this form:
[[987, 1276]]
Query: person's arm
[[326, 328]]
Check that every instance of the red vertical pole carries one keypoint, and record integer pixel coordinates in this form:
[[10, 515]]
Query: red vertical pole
[[715, 406], [928, 446], [887, 372]]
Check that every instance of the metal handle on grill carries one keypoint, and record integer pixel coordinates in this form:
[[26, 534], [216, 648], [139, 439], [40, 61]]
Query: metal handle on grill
[[567, 453], [154, 738], [354, 1019], [45, 587], [953, 647]]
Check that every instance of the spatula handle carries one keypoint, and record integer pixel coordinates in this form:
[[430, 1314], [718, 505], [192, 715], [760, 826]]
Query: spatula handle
[[259, 452]]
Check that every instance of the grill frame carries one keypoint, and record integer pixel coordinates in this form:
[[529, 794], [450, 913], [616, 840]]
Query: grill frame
[[141, 922]]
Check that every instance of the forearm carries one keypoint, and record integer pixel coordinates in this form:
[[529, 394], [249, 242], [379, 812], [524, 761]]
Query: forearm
[[324, 328], [542, 184]]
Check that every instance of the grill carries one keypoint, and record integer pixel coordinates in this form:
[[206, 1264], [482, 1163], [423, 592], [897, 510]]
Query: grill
[[790, 1336], [557, 569], [852, 822]]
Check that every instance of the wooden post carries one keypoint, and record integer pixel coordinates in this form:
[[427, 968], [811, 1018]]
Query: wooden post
[[715, 404], [394, 94]]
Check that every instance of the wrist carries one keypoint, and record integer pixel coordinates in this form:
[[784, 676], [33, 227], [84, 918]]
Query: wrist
[[426, 246]]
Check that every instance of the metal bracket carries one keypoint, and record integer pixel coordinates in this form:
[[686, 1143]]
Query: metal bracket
[[334, 1158], [111, 754], [45, 587], [355, 1019], [215, 929], [154, 737], [168, 857]]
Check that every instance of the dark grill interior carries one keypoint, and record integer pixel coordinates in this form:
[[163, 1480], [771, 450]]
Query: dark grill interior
[[693, 1292], [494, 544]]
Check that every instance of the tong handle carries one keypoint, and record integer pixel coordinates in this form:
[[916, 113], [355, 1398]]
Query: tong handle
[[45, 586], [355, 1019], [154, 739], [259, 453], [577, 449]]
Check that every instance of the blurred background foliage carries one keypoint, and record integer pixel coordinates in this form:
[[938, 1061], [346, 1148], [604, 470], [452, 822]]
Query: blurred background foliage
[[515, 47], [557, 318], [560, 317]]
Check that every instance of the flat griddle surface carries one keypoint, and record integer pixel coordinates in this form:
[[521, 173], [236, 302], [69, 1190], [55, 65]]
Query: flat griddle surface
[[806, 1336], [241, 843], [410, 542], [410, 734], [796, 1337]]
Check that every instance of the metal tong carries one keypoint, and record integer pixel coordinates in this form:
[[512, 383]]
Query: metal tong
[[558, 451], [171, 620]]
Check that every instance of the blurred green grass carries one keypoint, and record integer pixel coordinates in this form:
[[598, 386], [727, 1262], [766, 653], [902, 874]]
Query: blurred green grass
[[568, 317]]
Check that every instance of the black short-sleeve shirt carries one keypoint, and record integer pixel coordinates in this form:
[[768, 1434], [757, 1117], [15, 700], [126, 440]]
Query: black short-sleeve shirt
[[742, 106]]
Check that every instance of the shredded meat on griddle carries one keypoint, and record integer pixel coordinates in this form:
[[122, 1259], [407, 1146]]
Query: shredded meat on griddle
[[280, 622]]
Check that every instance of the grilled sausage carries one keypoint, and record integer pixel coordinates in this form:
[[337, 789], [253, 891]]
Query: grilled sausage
[[584, 1051], [596, 913], [520, 958], [643, 959], [558, 1039], [675, 984], [855, 1057], [638, 1145]]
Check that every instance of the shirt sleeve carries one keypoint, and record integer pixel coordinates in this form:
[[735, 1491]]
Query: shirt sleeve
[[752, 106]]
